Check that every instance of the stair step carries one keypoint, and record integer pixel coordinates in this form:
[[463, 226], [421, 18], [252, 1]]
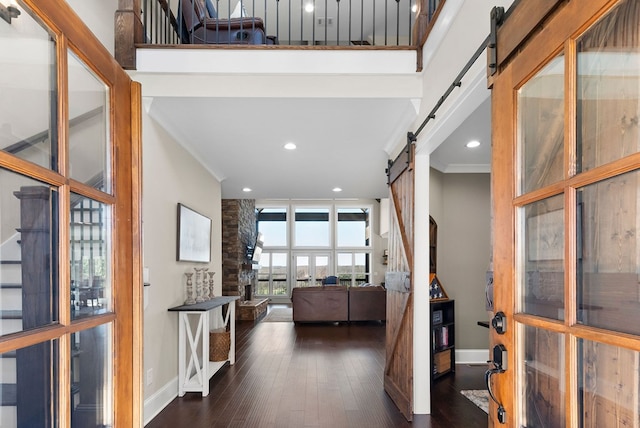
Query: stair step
[[10, 262], [8, 354], [8, 285], [8, 394]]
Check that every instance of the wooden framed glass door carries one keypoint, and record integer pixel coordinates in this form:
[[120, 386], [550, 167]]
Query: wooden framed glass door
[[566, 186], [70, 274]]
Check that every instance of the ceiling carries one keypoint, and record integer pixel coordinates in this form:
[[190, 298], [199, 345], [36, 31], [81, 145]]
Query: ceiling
[[340, 142]]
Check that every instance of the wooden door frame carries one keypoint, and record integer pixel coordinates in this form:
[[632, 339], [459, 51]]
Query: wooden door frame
[[125, 125], [521, 49]]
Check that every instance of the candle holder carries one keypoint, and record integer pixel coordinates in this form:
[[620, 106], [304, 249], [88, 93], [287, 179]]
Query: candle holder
[[205, 285], [211, 292], [199, 298], [190, 300]]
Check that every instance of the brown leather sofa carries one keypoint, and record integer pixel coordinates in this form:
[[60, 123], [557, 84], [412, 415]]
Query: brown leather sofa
[[325, 303], [367, 303], [339, 303]]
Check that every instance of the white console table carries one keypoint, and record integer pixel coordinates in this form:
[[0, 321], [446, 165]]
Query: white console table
[[194, 322]]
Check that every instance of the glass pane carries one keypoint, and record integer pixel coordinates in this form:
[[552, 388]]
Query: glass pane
[[353, 227], [312, 227], [608, 387], [279, 275], [28, 91], [542, 285], [90, 257], [303, 271], [28, 384], [89, 159], [322, 268], [361, 268], [345, 268], [28, 239], [541, 127], [608, 87], [608, 254], [272, 223], [264, 266], [91, 375], [543, 391]]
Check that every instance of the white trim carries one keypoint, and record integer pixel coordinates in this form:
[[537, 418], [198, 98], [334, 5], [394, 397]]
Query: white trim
[[472, 356], [160, 399]]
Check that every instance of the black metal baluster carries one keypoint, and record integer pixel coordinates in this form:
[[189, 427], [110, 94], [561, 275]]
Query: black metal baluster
[[265, 21], [410, 22], [145, 24], [397, 22], [326, 23], [301, 20], [229, 23], [158, 24], [278, 19], [349, 35], [361, 22], [338, 23], [218, 22], [313, 35], [374, 24], [289, 22], [386, 20], [169, 28]]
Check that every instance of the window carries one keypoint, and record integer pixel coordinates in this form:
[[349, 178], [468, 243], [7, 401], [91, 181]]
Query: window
[[353, 268], [353, 227], [272, 275], [272, 223], [312, 227]]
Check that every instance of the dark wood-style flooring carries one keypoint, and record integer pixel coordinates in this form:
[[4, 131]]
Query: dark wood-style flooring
[[316, 375]]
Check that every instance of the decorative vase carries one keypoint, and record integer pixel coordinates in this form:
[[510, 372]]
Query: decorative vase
[[211, 293], [199, 298], [205, 285], [190, 300]]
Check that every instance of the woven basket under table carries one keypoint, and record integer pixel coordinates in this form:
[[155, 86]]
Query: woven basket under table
[[219, 345]]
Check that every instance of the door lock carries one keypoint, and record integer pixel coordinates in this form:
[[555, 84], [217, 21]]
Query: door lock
[[499, 322]]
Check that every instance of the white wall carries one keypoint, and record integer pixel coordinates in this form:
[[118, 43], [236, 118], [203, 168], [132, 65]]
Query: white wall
[[99, 16], [170, 175]]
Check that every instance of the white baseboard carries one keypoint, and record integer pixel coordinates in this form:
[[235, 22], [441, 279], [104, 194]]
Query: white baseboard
[[472, 356], [160, 399]]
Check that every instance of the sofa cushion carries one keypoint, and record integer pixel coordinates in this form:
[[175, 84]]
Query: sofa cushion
[[320, 304]]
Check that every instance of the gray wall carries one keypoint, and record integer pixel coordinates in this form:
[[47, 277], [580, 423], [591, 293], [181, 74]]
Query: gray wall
[[460, 204]]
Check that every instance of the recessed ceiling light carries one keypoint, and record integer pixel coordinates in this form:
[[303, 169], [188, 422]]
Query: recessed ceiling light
[[472, 144], [290, 146], [309, 7], [246, 189], [337, 189]]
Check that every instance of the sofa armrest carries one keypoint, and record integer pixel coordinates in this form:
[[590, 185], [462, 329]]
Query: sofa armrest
[[367, 303]]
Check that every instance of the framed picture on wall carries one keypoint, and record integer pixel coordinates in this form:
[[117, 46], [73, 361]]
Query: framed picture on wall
[[194, 236]]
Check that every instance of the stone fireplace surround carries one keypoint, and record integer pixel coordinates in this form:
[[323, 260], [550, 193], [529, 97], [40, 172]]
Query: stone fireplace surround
[[238, 233]]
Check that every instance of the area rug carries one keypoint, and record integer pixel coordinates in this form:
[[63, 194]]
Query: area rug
[[479, 397], [279, 315]]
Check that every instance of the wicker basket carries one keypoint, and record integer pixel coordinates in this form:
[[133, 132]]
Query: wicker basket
[[219, 345]]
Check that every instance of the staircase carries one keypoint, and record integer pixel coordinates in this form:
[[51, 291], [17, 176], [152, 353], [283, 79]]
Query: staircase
[[10, 322]]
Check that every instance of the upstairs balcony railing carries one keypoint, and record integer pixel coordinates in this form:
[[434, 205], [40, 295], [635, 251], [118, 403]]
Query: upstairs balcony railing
[[319, 24]]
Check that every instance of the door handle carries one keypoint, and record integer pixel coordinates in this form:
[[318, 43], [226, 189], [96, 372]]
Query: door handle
[[499, 366]]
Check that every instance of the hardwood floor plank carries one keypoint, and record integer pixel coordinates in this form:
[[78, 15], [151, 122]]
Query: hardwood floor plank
[[316, 375]]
